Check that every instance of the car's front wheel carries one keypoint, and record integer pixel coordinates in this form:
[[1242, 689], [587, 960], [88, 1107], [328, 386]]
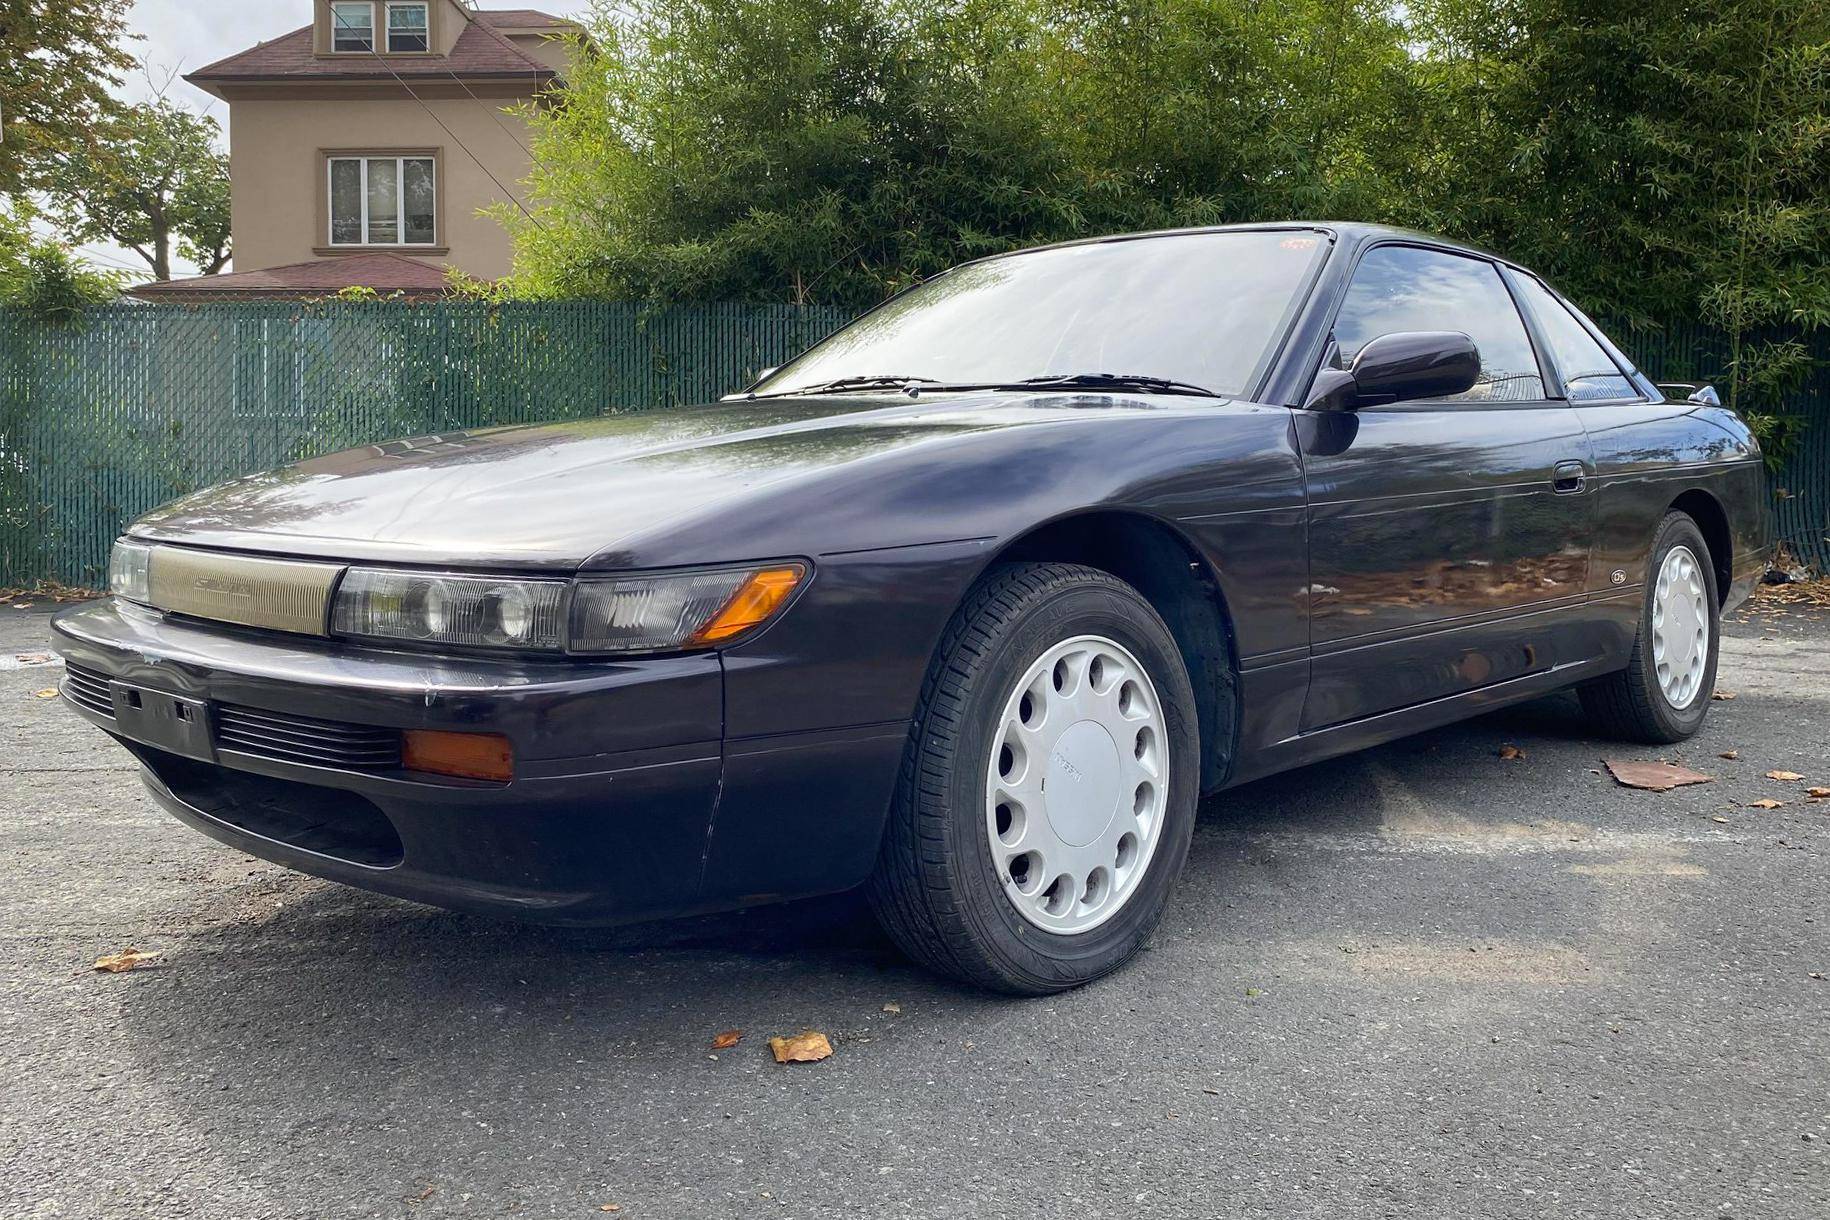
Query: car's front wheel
[[1048, 797]]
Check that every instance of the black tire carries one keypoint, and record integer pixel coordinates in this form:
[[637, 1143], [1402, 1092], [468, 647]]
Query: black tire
[[937, 889], [1630, 704]]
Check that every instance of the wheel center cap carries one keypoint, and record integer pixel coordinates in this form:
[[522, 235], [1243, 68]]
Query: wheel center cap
[[1082, 787]]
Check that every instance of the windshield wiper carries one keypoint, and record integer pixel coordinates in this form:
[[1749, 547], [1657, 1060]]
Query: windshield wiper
[[1078, 381], [883, 382]]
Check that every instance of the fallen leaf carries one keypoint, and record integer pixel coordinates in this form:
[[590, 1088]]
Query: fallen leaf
[[23, 606], [1723, 696], [32, 658], [610, 1207], [423, 1195], [1817, 794], [1724, 821], [1511, 753], [49, 692], [127, 959], [728, 1039], [892, 1007], [1211, 1092], [1253, 992], [1785, 777], [1654, 776], [1766, 803], [808, 1046], [1731, 755]]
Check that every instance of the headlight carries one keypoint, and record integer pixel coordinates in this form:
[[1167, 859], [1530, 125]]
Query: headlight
[[129, 568], [469, 611], [668, 611], [646, 612]]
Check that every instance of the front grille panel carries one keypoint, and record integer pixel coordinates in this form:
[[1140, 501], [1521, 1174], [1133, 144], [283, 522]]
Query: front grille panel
[[280, 736], [303, 739], [88, 689]]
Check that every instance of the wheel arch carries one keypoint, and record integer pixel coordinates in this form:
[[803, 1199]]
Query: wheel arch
[[1712, 519], [1181, 584]]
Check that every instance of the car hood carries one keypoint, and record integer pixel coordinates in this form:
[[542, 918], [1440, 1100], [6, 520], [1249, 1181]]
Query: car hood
[[554, 495]]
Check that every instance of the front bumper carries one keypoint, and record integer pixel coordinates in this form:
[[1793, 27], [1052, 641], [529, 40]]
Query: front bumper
[[607, 818]]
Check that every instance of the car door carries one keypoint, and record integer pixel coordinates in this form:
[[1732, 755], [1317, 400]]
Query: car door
[[1646, 450], [1449, 538]]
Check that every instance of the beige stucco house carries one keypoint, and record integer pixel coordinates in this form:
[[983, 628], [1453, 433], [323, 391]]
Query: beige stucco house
[[380, 128]]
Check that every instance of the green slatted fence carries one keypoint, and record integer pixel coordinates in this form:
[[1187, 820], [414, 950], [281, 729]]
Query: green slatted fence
[[132, 405]]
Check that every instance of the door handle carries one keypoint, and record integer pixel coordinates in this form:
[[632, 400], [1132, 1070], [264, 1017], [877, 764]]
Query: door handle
[[1569, 478]]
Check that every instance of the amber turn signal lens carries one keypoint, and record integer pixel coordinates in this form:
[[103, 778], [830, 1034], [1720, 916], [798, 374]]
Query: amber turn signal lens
[[755, 601], [465, 755]]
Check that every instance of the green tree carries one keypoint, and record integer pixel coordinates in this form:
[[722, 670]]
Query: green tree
[[790, 150], [41, 277], [149, 178], [57, 61]]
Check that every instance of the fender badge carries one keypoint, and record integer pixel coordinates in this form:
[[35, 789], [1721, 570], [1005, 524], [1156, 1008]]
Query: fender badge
[[1618, 576]]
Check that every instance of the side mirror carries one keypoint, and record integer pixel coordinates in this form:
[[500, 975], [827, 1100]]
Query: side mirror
[[1399, 367]]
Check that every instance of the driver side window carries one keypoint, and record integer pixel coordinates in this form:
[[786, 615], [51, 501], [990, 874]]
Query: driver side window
[[1405, 288]]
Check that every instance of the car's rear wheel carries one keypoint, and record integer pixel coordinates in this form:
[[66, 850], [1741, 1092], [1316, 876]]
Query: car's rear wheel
[[1048, 796], [1663, 694]]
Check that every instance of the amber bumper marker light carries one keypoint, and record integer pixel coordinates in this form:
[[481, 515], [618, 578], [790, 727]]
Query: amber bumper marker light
[[463, 755]]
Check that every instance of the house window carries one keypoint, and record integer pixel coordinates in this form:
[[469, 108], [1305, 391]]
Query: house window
[[383, 201], [352, 25], [407, 28]]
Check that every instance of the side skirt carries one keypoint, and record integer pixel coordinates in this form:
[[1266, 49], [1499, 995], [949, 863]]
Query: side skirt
[[1306, 748]]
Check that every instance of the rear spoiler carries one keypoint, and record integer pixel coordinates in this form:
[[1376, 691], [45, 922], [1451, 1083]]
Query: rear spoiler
[[1690, 391]]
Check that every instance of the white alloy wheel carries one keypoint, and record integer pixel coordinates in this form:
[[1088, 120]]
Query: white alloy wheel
[[1077, 784], [1680, 627]]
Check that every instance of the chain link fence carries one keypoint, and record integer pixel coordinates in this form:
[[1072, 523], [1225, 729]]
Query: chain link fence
[[132, 405]]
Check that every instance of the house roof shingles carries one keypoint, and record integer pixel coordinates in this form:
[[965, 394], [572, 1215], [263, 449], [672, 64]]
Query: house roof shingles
[[479, 52], [384, 271]]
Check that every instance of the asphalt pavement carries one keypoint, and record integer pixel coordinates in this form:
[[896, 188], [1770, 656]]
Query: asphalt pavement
[[1423, 981]]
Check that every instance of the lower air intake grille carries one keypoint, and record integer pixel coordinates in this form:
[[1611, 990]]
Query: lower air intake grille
[[88, 689], [302, 739]]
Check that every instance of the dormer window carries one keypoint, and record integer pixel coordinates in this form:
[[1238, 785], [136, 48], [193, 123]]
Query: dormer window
[[352, 25], [408, 29]]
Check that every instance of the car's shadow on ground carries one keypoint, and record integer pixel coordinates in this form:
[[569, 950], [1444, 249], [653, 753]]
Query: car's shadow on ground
[[299, 976]]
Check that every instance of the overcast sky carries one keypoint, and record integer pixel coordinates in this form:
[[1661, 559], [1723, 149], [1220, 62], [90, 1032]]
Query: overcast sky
[[179, 36]]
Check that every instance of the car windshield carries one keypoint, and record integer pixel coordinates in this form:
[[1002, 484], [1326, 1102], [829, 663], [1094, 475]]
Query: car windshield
[[1196, 311]]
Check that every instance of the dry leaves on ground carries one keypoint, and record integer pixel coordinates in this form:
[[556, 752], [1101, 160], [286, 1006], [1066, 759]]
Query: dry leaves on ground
[[1511, 753], [1766, 803], [49, 692], [808, 1046], [1785, 777], [1731, 755], [1817, 794], [1723, 696], [1654, 776], [32, 658], [892, 1007], [609, 1207], [127, 959], [728, 1039]]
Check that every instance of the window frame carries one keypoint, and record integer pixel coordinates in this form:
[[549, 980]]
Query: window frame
[[1501, 268], [1547, 356], [400, 158], [425, 30], [334, 28]]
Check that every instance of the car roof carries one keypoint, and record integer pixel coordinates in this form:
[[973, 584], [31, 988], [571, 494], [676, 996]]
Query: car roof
[[1349, 233]]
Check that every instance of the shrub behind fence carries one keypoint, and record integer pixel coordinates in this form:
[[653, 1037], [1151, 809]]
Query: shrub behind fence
[[132, 405]]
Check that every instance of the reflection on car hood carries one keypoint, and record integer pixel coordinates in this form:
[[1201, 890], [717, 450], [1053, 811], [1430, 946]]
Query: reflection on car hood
[[551, 495]]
